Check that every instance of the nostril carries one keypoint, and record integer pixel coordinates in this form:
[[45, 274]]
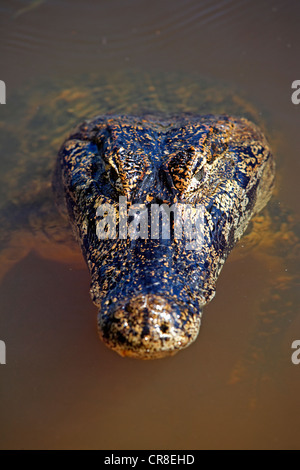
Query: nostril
[[164, 328]]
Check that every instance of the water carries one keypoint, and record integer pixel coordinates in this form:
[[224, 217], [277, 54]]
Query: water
[[236, 387]]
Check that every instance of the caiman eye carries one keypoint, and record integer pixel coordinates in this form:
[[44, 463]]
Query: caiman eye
[[113, 175], [199, 175], [115, 179], [127, 170], [186, 169]]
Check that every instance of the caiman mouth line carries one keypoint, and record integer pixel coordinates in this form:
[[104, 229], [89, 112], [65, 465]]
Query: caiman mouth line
[[150, 292]]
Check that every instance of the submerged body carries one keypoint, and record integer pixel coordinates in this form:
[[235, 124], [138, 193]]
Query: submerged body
[[151, 292]]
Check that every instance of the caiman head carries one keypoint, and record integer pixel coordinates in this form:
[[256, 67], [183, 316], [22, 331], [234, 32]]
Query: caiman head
[[157, 203]]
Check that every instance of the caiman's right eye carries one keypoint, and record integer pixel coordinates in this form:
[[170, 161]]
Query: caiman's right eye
[[199, 175], [127, 169], [115, 180]]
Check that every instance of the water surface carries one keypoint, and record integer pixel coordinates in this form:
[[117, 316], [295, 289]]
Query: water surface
[[236, 387]]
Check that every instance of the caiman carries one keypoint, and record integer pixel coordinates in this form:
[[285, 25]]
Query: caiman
[[154, 143], [150, 293]]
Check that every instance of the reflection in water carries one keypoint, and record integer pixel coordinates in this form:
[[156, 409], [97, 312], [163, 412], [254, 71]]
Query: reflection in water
[[236, 386]]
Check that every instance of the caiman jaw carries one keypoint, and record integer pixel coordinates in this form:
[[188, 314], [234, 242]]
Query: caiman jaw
[[149, 327]]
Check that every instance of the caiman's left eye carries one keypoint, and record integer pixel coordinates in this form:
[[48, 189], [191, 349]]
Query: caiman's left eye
[[115, 180]]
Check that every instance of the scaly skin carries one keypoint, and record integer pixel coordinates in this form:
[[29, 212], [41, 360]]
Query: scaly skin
[[150, 293]]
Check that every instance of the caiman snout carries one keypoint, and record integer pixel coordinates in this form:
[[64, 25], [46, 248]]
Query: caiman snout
[[149, 327]]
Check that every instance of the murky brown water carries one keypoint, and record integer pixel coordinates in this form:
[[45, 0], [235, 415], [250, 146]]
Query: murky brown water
[[236, 387]]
